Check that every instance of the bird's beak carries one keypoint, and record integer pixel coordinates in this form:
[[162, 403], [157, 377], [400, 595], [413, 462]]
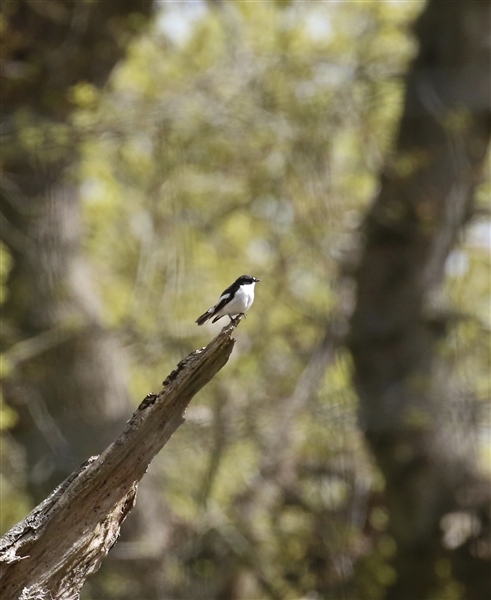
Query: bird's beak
[[256, 280]]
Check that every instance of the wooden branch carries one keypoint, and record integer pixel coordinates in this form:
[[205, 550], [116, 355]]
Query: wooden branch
[[65, 538]]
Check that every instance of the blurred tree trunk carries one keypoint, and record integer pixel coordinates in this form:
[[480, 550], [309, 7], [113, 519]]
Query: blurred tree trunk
[[67, 384], [425, 198]]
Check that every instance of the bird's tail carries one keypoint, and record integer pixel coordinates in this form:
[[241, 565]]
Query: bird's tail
[[204, 317]]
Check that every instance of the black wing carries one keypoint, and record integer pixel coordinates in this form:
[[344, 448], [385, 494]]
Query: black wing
[[226, 296], [224, 299]]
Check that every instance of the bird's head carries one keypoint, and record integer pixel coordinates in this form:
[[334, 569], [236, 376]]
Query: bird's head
[[247, 280]]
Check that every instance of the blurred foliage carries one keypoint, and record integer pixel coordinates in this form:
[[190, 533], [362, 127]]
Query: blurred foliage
[[240, 138], [14, 503]]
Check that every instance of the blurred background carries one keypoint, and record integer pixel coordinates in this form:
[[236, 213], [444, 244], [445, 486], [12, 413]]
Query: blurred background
[[152, 153]]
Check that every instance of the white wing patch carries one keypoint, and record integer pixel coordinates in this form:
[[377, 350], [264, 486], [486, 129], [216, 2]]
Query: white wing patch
[[223, 299]]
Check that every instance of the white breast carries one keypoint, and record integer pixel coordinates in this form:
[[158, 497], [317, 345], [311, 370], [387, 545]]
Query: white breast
[[242, 301]]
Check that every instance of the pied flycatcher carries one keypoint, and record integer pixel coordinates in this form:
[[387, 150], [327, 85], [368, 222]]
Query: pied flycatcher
[[235, 300]]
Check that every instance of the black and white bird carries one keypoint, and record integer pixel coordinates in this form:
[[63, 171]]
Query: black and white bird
[[235, 300]]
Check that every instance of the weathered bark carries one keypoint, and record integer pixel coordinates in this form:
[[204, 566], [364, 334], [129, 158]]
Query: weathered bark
[[425, 198], [52, 552]]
